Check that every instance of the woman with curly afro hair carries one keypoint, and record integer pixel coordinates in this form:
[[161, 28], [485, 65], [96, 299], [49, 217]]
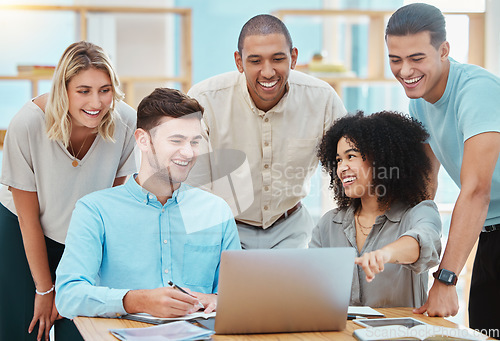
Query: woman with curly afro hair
[[378, 170]]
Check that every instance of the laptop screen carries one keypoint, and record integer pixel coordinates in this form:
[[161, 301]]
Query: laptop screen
[[284, 290]]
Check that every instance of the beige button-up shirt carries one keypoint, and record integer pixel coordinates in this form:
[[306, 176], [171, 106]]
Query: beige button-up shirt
[[261, 162]]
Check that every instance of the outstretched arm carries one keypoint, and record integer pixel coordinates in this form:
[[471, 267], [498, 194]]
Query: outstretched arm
[[405, 250], [418, 245]]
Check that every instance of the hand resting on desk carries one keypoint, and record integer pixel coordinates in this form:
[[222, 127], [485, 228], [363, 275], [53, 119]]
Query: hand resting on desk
[[209, 301], [161, 302]]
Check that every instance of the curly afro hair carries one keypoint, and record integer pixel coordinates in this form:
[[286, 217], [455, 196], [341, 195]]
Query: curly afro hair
[[394, 145]]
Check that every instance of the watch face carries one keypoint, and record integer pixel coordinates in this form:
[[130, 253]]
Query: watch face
[[446, 276]]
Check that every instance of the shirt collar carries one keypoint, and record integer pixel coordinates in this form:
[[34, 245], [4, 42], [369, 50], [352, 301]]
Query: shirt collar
[[394, 214], [444, 97], [141, 195], [279, 107], [349, 215]]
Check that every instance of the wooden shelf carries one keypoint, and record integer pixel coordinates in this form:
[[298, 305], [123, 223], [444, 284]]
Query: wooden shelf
[[2, 137], [127, 83], [185, 58], [356, 80], [32, 79]]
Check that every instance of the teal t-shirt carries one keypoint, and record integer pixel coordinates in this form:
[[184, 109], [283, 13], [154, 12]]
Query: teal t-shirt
[[469, 106]]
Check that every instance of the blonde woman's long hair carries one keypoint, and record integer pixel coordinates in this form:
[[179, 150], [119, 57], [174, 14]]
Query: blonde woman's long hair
[[78, 56]]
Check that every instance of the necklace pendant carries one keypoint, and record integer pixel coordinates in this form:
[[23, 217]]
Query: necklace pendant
[[74, 163]]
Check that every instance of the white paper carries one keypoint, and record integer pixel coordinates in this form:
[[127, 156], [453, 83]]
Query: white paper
[[192, 316], [363, 311], [179, 330]]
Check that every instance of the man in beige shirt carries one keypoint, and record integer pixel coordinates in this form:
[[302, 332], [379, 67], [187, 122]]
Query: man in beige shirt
[[263, 125]]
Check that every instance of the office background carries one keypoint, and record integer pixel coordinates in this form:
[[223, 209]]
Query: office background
[[148, 45]]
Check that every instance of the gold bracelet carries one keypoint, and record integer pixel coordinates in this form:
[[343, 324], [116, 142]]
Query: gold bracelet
[[45, 292]]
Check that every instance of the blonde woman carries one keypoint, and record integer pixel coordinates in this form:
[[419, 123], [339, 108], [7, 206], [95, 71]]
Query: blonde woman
[[59, 147]]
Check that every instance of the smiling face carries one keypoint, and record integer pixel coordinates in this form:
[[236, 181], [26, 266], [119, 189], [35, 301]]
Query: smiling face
[[354, 172], [172, 149], [90, 94], [266, 61], [418, 65]]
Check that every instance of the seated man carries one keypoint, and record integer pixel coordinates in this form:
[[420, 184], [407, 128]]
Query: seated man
[[125, 244]]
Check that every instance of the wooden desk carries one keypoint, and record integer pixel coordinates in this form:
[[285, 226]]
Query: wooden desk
[[96, 329]]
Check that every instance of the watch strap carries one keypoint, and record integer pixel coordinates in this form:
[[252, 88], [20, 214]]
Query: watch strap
[[452, 277]]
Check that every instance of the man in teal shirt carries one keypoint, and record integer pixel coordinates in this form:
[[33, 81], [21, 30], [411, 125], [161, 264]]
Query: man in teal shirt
[[459, 105], [125, 244]]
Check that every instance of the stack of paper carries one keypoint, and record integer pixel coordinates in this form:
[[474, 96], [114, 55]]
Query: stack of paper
[[180, 330], [143, 317]]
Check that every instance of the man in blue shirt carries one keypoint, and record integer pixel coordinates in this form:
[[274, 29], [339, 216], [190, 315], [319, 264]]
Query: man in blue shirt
[[459, 105], [126, 243]]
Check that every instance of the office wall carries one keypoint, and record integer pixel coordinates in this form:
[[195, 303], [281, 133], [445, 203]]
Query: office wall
[[138, 44], [217, 24], [493, 36]]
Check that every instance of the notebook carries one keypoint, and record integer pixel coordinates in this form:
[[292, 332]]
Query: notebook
[[284, 290]]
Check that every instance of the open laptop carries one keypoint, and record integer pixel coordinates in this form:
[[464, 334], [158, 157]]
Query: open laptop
[[285, 290]]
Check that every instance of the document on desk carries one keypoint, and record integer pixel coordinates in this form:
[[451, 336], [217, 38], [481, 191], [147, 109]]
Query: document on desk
[[363, 311], [422, 332], [178, 330], [141, 317]]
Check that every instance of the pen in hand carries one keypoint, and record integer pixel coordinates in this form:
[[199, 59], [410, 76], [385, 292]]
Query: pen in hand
[[185, 292]]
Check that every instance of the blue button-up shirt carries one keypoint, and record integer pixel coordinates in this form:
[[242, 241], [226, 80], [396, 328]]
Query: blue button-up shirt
[[123, 238]]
